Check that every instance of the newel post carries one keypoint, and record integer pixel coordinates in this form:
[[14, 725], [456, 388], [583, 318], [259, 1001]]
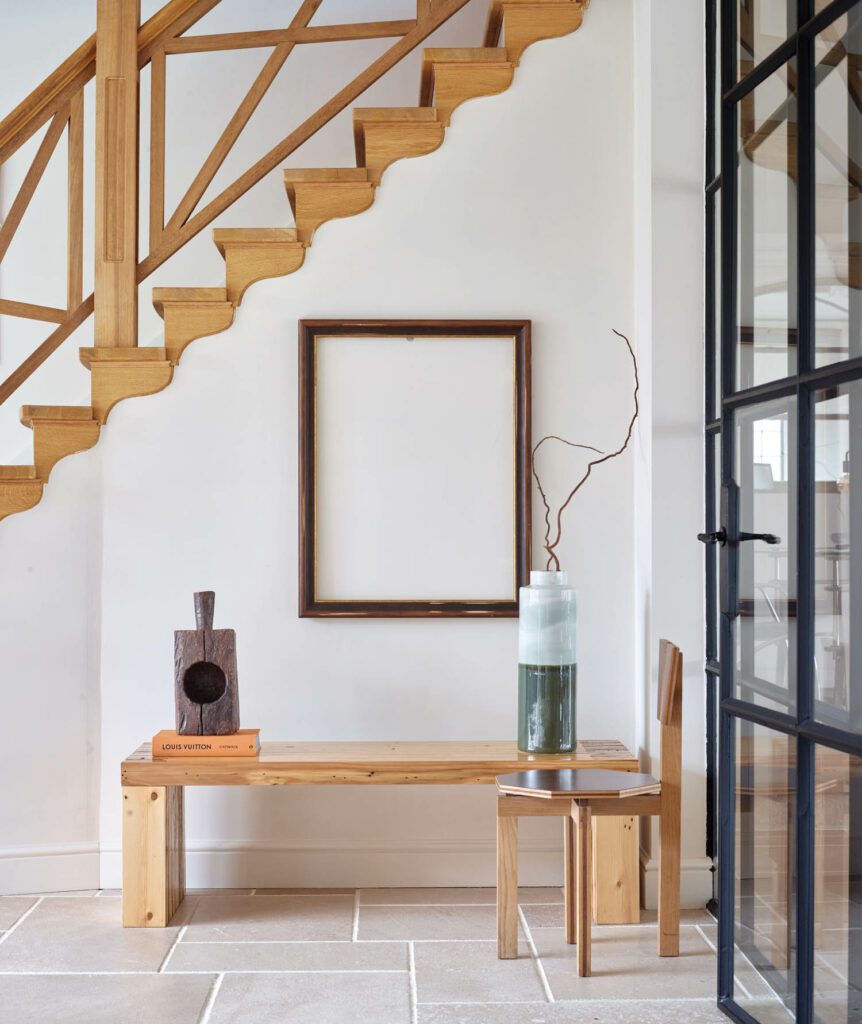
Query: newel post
[[116, 308]]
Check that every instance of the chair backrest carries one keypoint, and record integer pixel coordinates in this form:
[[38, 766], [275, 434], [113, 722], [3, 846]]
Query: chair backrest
[[669, 679], [670, 717]]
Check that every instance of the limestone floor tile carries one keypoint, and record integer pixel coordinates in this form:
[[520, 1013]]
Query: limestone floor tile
[[542, 915], [81, 935], [625, 965], [11, 908], [312, 999], [692, 1011], [256, 918], [289, 956], [301, 892], [749, 982], [104, 999], [428, 922], [401, 897], [469, 972]]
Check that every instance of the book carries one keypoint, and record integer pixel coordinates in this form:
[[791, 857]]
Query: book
[[244, 743]]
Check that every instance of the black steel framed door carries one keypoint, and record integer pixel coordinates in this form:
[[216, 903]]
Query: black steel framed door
[[783, 528]]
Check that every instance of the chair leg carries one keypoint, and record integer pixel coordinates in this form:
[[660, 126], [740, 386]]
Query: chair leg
[[507, 886], [569, 871], [583, 886], [668, 879]]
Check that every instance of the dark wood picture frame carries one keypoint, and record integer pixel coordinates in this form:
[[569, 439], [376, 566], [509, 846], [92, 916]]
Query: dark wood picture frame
[[310, 605]]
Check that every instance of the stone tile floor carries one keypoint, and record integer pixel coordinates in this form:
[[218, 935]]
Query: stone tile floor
[[372, 956]]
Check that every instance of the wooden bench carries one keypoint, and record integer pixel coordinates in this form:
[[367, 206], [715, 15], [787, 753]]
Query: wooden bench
[[153, 839]]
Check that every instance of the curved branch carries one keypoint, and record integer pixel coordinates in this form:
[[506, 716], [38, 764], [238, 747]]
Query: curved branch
[[550, 548], [571, 444]]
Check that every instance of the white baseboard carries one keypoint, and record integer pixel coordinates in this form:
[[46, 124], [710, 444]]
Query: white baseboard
[[50, 868], [695, 878], [224, 864]]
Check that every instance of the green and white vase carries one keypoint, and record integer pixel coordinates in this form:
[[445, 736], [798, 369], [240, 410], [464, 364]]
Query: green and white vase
[[548, 665]]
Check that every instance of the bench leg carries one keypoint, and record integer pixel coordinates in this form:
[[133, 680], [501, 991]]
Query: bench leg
[[616, 870], [153, 855], [583, 884], [569, 871], [507, 887]]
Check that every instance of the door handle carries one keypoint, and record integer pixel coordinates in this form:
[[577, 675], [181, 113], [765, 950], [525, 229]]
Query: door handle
[[716, 537], [767, 538]]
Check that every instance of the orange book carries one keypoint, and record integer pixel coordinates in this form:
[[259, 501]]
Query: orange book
[[244, 743]]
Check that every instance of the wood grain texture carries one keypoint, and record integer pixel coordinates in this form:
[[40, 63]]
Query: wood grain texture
[[272, 37], [583, 886], [30, 311], [241, 116], [253, 254], [670, 819], [31, 180], [570, 888], [116, 168], [616, 860], [442, 11], [59, 431], [507, 888], [118, 373], [18, 494], [78, 69], [153, 855], [384, 135], [527, 21], [75, 204], [317, 196], [450, 77], [158, 98], [191, 313], [442, 762], [205, 679]]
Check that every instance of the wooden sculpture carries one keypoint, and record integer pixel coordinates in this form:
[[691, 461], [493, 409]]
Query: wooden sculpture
[[206, 691]]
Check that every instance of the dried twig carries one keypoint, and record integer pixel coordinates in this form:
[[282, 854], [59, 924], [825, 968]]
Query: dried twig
[[550, 547]]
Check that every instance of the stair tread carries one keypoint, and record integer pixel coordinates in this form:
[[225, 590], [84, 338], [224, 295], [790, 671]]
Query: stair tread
[[18, 474], [189, 295], [147, 354], [325, 174], [254, 236], [395, 114], [468, 54], [64, 413]]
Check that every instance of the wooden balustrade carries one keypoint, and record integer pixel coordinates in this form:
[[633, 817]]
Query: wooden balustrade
[[115, 62]]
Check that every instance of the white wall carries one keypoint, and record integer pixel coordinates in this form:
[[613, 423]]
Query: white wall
[[527, 210]]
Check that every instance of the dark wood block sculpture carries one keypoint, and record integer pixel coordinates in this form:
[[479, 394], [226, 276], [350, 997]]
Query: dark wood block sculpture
[[205, 681]]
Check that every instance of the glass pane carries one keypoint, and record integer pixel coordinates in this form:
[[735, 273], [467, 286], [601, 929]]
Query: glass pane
[[763, 25], [838, 888], [838, 558], [765, 872], [838, 179], [766, 261], [765, 631]]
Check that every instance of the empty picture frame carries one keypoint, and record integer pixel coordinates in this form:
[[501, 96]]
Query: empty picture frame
[[414, 467]]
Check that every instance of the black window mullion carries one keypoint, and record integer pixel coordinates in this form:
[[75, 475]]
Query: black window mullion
[[805, 752], [727, 298]]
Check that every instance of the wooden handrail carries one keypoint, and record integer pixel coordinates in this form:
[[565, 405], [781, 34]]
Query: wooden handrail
[[74, 73]]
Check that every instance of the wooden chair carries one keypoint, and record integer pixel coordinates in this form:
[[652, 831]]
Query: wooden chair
[[578, 795]]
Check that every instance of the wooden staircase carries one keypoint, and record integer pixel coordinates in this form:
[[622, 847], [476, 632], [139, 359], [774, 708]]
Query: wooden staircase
[[449, 77]]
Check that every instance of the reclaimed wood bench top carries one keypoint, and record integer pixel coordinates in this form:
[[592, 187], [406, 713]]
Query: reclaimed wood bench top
[[423, 762]]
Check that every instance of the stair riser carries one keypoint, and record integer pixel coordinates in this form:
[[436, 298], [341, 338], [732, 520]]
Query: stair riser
[[19, 497], [455, 83], [525, 23], [386, 143], [53, 441], [314, 203], [112, 382], [185, 322], [245, 265]]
